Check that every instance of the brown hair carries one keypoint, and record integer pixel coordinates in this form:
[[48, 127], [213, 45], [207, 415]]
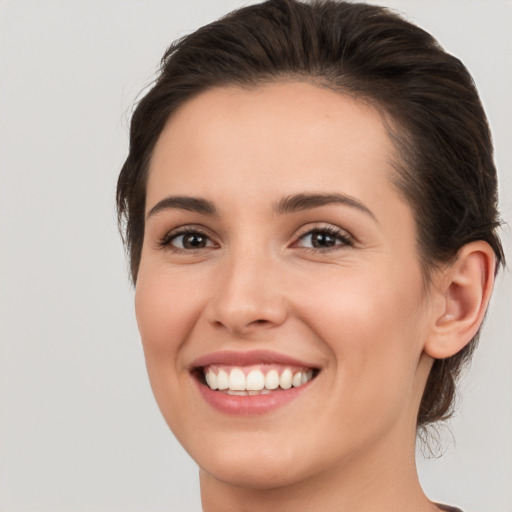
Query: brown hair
[[438, 124]]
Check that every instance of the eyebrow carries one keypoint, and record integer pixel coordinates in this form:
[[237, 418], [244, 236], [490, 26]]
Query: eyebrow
[[300, 202], [288, 204], [191, 204]]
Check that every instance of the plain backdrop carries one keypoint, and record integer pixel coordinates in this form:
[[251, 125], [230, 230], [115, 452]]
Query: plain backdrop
[[79, 429]]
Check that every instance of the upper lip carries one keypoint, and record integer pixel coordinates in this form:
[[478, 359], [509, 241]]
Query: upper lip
[[247, 358]]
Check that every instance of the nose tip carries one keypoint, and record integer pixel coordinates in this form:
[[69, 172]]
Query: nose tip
[[247, 300], [242, 321]]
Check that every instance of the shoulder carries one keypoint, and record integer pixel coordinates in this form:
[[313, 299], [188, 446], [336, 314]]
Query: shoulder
[[447, 508]]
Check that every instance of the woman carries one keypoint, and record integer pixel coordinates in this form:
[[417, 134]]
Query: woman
[[310, 206]]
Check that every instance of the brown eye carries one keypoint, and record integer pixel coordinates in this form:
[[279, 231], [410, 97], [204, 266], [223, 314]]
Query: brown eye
[[194, 241], [324, 239], [189, 240], [321, 239]]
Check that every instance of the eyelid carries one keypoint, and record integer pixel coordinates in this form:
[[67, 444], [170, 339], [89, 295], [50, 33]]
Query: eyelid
[[342, 234], [346, 238], [165, 242]]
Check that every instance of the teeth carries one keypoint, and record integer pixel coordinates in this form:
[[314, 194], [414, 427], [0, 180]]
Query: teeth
[[285, 381], [247, 393], [235, 382], [236, 392], [222, 379], [255, 381], [211, 379], [272, 379]]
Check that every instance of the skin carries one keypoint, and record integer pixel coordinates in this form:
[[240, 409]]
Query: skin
[[358, 311]]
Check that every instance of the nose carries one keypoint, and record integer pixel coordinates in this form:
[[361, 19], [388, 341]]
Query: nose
[[248, 296]]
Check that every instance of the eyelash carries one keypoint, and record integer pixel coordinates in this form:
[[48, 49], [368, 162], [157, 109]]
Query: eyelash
[[338, 234], [166, 241]]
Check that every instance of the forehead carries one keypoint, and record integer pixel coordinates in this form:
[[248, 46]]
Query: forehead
[[261, 139]]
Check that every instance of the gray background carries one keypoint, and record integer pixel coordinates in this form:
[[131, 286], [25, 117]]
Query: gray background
[[79, 430]]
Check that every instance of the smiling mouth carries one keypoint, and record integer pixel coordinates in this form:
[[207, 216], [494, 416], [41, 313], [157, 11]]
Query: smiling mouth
[[254, 380]]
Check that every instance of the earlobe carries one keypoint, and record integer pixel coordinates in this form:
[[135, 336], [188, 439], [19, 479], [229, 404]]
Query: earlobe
[[466, 288]]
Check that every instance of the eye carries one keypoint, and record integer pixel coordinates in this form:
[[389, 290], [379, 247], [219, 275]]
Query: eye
[[187, 240], [324, 239]]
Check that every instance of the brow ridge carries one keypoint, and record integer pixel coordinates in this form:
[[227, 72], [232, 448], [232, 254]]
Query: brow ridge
[[191, 204], [305, 201], [288, 204]]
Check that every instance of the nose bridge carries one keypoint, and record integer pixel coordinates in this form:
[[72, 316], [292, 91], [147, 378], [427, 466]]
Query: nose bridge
[[248, 295]]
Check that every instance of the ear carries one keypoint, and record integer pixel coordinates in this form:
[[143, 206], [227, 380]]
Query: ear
[[464, 289]]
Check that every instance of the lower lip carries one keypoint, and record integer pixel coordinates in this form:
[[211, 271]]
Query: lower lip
[[250, 404]]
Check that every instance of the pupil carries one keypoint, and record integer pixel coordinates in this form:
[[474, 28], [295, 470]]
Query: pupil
[[194, 240], [323, 240]]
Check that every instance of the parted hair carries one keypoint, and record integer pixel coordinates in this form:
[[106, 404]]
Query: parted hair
[[444, 168]]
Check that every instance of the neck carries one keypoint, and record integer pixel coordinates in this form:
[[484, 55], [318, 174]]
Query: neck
[[379, 477], [382, 480]]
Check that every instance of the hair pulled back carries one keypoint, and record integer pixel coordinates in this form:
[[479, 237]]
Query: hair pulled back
[[437, 123]]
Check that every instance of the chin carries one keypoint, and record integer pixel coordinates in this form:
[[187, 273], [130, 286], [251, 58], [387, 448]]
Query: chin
[[254, 465], [252, 474]]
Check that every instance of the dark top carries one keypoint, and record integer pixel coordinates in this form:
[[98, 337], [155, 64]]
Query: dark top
[[448, 508]]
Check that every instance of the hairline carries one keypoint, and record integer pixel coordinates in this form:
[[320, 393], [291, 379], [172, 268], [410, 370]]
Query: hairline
[[399, 136]]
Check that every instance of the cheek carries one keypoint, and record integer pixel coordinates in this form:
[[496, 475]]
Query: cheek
[[166, 310], [372, 326], [154, 311], [361, 308], [165, 306]]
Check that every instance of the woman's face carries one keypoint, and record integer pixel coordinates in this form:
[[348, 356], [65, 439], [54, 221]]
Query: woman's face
[[277, 252]]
